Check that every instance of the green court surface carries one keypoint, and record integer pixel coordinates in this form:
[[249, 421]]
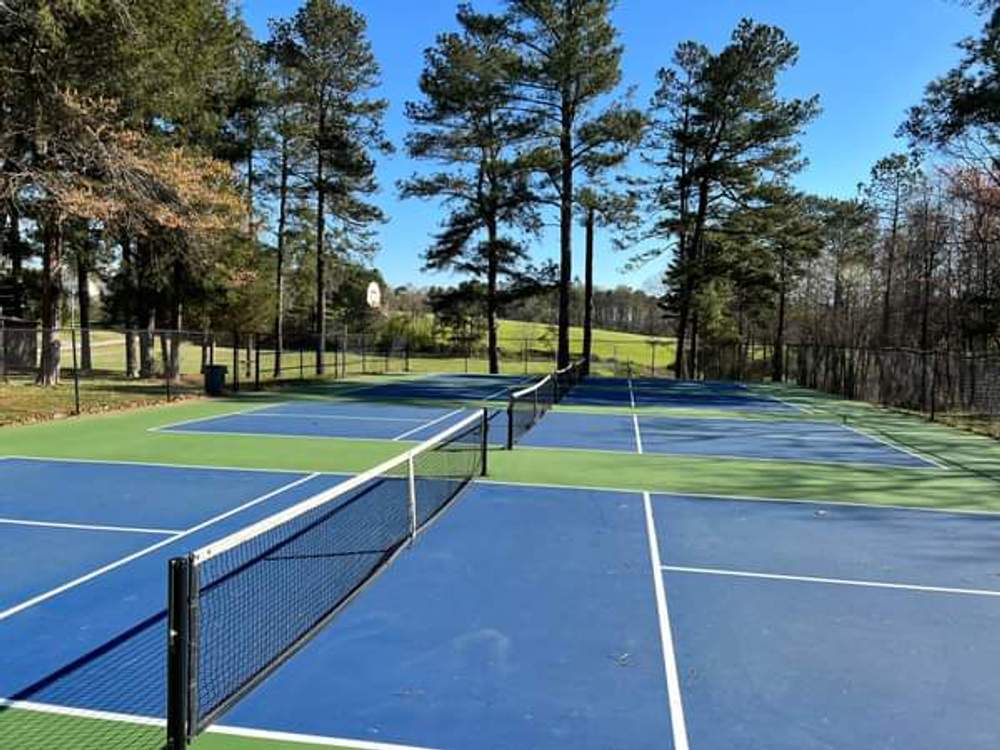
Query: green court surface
[[969, 483], [968, 480]]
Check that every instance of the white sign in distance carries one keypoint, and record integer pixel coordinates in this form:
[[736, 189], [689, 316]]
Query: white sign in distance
[[374, 296]]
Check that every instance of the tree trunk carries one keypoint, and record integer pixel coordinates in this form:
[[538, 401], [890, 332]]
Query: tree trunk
[[565, 235], [588, 294], [147, 349], [680, 362], [492, 273], [83, 260], [693, 358], [778, 355], [173, 361], [320, 259], [16, 252], [890, 264], [279, 311], [51, 300]]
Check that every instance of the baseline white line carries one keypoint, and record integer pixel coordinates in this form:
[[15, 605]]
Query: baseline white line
[[147, 550], [833, 581], [152, 464], [829, 463], [638, 434], [747, 498], [195, 420], [433, 422], [896, 446], [87, 527], [674, 697], [794, 406], [308, 739], [82, 713], [342, 417], [270, 435]]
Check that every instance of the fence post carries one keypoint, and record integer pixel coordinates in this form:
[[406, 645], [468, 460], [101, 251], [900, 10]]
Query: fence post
[[236, 362], [168, 368], [256, 363], [934, 379], [302, 363], [3, 350], [76, 374]]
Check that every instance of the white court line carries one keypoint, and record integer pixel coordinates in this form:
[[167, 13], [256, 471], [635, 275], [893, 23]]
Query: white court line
[[82, 713], [861, 465], [751, 498], [152, 721], [796, 407], [343, 417], [433, 422], [151, 464], [834, 581], [147, 550], [638, 434], [308, 739], [896, 446], [631, 394], [248, 410], [674, 697], [87, 527], [271, 436]]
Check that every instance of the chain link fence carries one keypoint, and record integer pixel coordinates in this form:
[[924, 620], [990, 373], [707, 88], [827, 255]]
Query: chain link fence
[[100, 369], [960, 388]]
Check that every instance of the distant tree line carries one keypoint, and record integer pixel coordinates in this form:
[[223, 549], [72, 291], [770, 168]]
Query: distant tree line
[[215, 180]]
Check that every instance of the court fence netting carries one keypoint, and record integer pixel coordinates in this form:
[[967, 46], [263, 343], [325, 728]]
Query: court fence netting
[[525, 407], [960, 388], [241, 606]]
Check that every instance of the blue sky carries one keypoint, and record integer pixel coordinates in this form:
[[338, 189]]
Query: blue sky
[[868, 60]]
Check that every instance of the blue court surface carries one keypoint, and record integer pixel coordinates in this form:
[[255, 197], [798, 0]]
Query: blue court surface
[[663, 392], [333, 419], [446, 387], [532, 617], [821, 442]]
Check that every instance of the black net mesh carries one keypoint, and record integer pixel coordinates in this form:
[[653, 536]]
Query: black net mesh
[[262, 598], [110, 698], [527, 406]]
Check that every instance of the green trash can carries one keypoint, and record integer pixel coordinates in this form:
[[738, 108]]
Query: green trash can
[[215, 379]]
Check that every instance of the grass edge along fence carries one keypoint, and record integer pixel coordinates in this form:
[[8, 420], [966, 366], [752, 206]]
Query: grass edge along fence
[[959, 388], [103, 368]]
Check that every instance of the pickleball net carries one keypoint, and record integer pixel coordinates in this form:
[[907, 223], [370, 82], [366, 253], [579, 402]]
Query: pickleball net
[[527, 406], [241, 606]]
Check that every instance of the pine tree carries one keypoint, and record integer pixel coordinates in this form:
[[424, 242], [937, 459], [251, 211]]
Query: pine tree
[[466, 121], [335, 72], [570, 63]]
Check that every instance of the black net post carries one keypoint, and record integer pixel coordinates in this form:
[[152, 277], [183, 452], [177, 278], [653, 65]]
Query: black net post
[[485, 441], [179, 677], [510, 424]]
